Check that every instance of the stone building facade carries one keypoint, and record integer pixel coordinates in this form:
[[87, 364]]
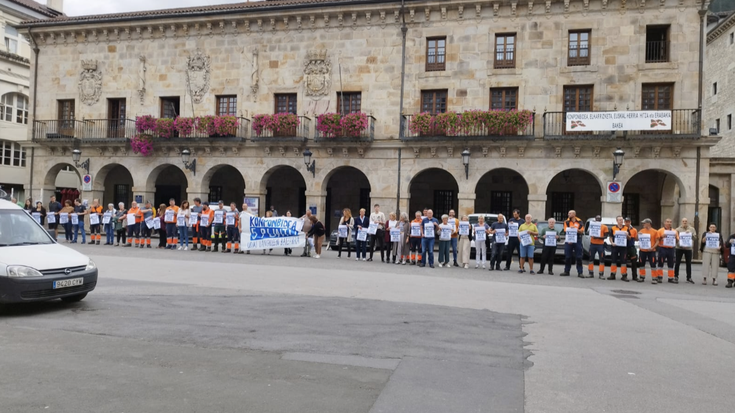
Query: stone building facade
[[296, 56]]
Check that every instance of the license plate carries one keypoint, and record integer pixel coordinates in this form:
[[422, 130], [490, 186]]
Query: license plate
[[68, 283]]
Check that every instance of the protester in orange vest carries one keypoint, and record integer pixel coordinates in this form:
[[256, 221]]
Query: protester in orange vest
[[232, 222], [205, 228], [169, 217], [648, 240], [597, 250], [94, 229], [669, 237], [573, 250], [619, 249], [133, 228]]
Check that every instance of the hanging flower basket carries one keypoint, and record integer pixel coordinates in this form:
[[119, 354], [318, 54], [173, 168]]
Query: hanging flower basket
[[145, 123], [471, 123], [184, 126], [164, 128], [225, 125], [353, 124], [329, 125], [141, 144], [280, 124]]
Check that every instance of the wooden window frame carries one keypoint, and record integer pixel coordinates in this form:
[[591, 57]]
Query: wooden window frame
[[504, 91], [656, 97], [228, 101], [349, 99], [579, 60], [172, 99], [434, 98], [289, 97], [658, 51], [436, 66], [505, 63], [578, 88]]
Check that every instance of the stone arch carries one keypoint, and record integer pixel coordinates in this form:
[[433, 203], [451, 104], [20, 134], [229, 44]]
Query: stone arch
[[225, 183], [434, 188], [346, 187], [501, 190], [577, 189], [285, 188], [53, 174], [167, 181], [652, 193], [115, 183]]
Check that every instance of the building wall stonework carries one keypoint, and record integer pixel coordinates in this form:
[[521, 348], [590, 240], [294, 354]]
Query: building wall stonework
[[256, 55]]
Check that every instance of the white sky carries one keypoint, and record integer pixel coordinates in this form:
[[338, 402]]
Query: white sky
[[82, 7]]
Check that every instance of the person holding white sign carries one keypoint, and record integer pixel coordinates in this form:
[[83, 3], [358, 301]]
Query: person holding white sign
[[453, 221], [205, 227], [512, 233], [362, 222], [619, 236], [480, 232], [648, 240], [415, 238], [549, 235], [378, 218], [232, 226], [632, 253], [731, 262], [711, 249], [80, 210], [66, 221], [527, 233], [53, 211], [397, 234], [573, 228], [133, 218], [464, 242], [109, 225], [499, 230], [182, 226], [445, 241], [146, 226], [669, 238], [429, 225], [219, 235], [95, 214], [686, 234], [169, 217], [344, 232], [597, 232]]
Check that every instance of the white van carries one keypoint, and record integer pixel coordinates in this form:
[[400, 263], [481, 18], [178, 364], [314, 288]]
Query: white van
[[33, 267]]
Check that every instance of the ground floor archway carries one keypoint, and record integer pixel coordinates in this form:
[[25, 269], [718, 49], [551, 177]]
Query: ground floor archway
[[651, 194], [117, 185], [285, 190], [170, 182], [435, 189], [501, 191], [65, 182], [347, 187], [224, 183], [573, 189]]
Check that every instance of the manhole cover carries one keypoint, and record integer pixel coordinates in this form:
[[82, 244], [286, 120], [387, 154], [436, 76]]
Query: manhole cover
[[625, 292]]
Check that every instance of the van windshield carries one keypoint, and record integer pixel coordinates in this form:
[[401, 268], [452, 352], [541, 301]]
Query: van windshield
[[19, 228]]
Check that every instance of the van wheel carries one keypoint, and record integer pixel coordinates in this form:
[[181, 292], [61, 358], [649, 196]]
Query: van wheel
[[74, 298]]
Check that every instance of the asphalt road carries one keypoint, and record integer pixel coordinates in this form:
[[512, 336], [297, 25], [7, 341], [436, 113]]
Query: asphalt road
[[170, 331]]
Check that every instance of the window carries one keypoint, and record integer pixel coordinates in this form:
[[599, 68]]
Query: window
[[349, 102], [66, 109], [443, 201], [500, 202], [365, 198], [579, 48], [11, 45], [434, 101], [14, 108], [436, 54], [657, 96], [714, 88], [732, 38], [505, 51], [170, 107], [285, 103], [631, 208], [122, 194], [561, 204], [12, 154], [215, 194], [226, 105], [717, 125], [657, 44], [729, 122], [578, 98], [504, 98]]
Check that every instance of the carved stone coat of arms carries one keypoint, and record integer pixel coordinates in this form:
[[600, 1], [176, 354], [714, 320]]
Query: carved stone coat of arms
[[318, 73], [197, 75], [90, 83]]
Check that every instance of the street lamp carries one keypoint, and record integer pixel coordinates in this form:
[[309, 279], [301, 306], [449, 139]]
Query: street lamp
[[76, 155], [617, 161], [310, 165], [466, 162], [192, 166]]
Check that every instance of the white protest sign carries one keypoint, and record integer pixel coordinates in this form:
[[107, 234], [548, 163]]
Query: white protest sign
[[512, 230], [94, 219], [712, 240], [219, 216], [621, 238], [500, 236], [669, 239], [169, 216], [446, 232], [362, 234], [180, 220], [149, 222], [74, 219], [550, 238], [429, 230], [157, 223], [452, 222], [464, 228], [480, 234], [193, 219], [685, 240], [63, 218], [342, 230], [131, 219], [275, 232], [415, 229], [525, 238], [596, 229], [373, 228], [644, 241], [37, 216], [205, 220], [107, 218], [51, 218], [732, 250], [230, 219], [395, 235], [571, 236]]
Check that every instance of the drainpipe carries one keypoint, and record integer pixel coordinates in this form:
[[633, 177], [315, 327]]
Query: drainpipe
[[702, 19], [404, 31], [36, 52]]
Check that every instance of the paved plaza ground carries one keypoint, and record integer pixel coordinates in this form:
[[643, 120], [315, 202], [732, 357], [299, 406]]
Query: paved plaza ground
[[182, 331]]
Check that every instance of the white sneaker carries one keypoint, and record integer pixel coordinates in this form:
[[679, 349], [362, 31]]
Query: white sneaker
[[477, 266], [179, 249], [483, 266], [316, 256], [441, 265], [466, 266], [186, 248], [364, 259], [357, 259], [404, 262]]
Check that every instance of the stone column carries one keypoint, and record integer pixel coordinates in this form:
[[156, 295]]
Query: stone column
[[610, 209], [466, 203], [318, 199], [145, 195], [537, 206], [668, 210]]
